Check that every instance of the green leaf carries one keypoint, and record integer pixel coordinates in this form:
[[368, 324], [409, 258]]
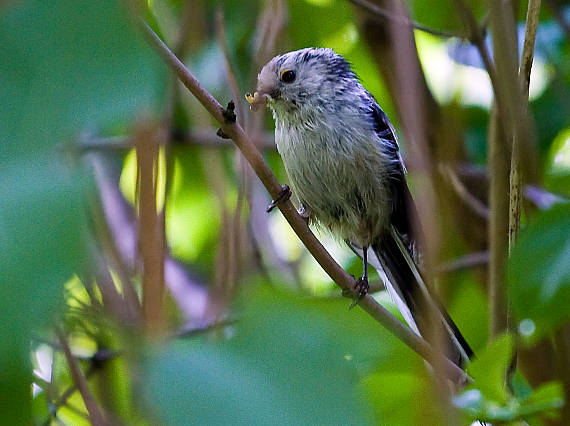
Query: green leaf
[[403, 398], [291, 361], [70, 63], [41, 246], [539, 271], [546, 398], [488, 370], [67, 65]]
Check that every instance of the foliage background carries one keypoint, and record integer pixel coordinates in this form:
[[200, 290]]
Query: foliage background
[[249, 329]]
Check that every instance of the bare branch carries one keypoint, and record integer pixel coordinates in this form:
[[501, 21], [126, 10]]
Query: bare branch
[[299, 225]]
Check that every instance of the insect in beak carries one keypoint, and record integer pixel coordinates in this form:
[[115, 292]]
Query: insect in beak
[[256, 100]]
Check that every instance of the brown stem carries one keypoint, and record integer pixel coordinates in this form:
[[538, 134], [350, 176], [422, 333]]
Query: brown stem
[[515, 179], [95, 414], [151, 243], [498, 223], [299, 225]]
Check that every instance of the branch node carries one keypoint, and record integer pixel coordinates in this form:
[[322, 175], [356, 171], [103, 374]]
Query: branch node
[[221, 134], [229, 113], [283, 196]]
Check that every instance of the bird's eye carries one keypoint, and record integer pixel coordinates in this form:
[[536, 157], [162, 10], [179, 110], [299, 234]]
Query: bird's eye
[[287, 76]]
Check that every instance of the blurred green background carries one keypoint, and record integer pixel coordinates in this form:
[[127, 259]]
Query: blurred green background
[[251, 330]]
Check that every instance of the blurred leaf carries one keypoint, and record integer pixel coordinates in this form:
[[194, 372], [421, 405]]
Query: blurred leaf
[[66, 64], [292, 361], [557, 177], [488, 399], [470, 311], [544, 401], [539, 271], [437, 14], [41, 245], [488, 370], [71, 63], [403, 398], [546, 398]]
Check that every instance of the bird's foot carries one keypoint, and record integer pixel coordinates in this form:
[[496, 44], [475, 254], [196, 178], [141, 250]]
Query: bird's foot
[[362, 286], [283, 196]]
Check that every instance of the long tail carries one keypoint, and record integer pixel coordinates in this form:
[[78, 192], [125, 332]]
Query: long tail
[[391, 258]]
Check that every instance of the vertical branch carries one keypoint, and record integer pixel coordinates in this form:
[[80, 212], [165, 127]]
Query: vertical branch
[[151, 244], [508, 111], [515, 182], [497, 158]]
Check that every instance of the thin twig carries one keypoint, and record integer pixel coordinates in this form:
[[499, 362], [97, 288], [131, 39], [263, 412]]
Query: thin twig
[[403, 20], [469, 260], [469, 199], [299, 225], [95, 414]]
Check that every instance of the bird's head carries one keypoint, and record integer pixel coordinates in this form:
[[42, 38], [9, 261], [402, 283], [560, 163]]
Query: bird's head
[[302, 80]]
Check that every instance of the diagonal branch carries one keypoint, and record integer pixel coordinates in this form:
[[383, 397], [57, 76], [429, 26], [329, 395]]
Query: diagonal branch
[[333, 269]]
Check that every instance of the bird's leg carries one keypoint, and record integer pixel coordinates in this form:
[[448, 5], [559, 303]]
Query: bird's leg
[[362, 283], [283, 195]]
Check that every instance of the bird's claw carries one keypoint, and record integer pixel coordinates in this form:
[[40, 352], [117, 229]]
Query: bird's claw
[[283, 195], [362, 287]]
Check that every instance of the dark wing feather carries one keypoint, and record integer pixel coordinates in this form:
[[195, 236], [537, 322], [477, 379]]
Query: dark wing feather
[[396, 249]]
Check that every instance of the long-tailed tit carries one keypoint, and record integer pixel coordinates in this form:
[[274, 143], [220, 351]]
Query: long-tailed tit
[[342, 158]]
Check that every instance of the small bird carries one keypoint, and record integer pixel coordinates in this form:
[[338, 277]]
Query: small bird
[[343, 161]]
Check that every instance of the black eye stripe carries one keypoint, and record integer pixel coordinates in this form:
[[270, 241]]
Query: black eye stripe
[[288, 76]]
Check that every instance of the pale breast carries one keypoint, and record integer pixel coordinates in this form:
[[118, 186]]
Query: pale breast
[[340, 176]]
